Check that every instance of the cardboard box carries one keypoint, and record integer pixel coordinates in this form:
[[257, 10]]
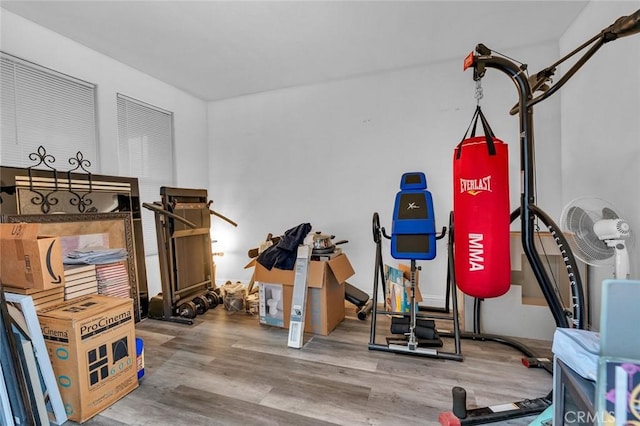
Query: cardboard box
[[28, 259], [406, 271], [325, 294], [92, 346]]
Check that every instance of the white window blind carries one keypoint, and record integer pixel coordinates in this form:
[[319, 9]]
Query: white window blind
[[145, 138], [44, 107]]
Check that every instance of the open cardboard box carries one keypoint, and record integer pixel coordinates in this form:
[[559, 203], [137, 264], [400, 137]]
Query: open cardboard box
[[29, 259], [325, 293]]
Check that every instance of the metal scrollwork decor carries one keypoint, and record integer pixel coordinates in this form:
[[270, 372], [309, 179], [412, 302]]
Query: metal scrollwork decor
[[80, 163], [45, 198], [43, 158], [82, 202]]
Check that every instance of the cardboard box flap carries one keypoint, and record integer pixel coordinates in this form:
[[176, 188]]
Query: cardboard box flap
[[315, 277], [275, 275], [83, 307], [19, 231], [341, 268]]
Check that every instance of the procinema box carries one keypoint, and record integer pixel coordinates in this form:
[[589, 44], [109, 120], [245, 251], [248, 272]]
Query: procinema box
[[92, 347]]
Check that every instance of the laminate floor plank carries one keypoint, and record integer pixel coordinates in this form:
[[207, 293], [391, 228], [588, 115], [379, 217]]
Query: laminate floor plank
[[221, 410], [361, 363], [331, 404], [155, 358], [227, 369], [234, 384], [146, 407]]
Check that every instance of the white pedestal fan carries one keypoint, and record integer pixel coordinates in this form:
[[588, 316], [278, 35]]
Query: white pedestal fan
[[598, 235]]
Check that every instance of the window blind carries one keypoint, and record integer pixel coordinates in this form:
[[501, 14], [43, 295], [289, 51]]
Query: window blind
[[145, 140], [40, 106]]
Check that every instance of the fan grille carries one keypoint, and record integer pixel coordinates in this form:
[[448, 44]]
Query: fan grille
[[583, 240], [577, 221]]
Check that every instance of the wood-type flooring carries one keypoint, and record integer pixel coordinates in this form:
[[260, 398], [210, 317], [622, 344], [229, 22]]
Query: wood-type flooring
[[227, 369]]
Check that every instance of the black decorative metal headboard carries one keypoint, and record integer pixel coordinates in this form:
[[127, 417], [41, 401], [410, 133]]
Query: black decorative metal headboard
[[43, 189]]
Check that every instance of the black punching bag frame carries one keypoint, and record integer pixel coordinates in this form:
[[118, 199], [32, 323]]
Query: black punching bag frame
[[484, 58], [479, 60]]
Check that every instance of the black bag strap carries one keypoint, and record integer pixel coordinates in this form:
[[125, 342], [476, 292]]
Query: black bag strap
[[488, 133]]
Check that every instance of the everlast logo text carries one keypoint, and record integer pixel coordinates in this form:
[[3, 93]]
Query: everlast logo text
[[475, 186]]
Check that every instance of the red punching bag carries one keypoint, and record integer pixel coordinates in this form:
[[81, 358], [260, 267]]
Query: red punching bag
[[481, 217]]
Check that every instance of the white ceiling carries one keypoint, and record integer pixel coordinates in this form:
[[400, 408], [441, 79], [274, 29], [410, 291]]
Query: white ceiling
[[222, 49]]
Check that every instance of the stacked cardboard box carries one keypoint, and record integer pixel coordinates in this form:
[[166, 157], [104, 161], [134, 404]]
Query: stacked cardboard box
[[29, 259], [92, 347], [42, 299]]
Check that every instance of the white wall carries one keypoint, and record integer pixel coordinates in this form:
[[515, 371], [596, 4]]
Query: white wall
[[32, 42], [332, 154], [601, 126]]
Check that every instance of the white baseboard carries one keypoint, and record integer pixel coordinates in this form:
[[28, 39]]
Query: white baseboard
[[433, 301]]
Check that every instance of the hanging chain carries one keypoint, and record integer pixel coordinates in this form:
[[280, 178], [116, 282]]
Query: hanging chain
[[478, 94]]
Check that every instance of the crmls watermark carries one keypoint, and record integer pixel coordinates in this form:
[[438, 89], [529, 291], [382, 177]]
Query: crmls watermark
[[586, 417]]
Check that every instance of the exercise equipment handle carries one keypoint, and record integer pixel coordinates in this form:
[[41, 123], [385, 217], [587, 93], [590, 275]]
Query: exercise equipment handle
[[154, 208], [226, 219], [215, 213], [624, 26]]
